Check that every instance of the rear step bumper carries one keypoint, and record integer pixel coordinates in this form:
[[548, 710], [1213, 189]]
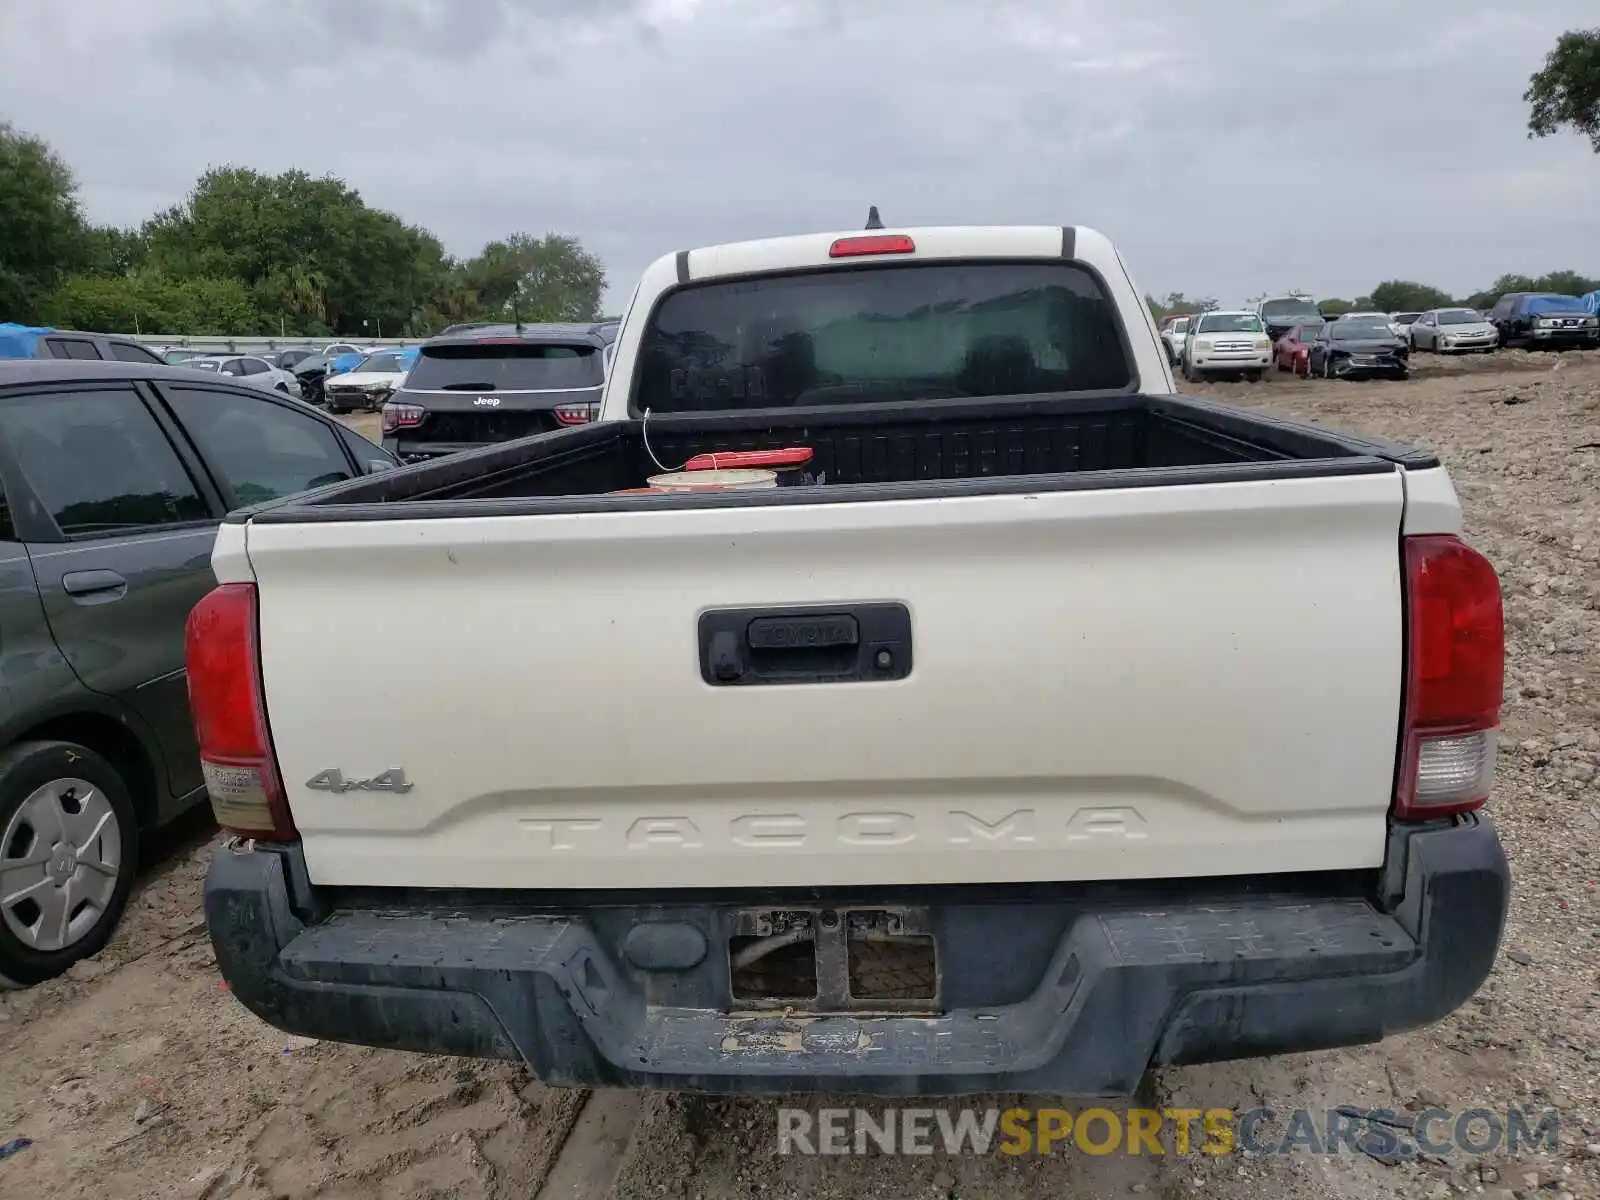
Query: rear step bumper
[[1053, 995]]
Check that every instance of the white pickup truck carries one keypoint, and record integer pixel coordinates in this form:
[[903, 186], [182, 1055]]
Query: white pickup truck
[[1034, 726]]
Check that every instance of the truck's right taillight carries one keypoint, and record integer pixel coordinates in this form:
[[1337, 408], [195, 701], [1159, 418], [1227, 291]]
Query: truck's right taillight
[[1455, 675], [230, 716]]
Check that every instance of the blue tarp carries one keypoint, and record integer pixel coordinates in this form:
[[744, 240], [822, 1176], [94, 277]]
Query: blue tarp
[[20, 341], [1592, 303], [1551, 302]]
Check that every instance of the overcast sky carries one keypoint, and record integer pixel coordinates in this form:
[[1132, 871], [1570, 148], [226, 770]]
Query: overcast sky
[[1318, 144]]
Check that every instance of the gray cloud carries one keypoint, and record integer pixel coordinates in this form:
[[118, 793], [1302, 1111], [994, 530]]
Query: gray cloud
[[1326, 145]]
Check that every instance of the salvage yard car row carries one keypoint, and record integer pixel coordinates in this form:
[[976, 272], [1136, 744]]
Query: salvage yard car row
[[1291, 334]]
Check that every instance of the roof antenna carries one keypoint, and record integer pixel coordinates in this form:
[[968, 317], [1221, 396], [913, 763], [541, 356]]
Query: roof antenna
[[874, 221]]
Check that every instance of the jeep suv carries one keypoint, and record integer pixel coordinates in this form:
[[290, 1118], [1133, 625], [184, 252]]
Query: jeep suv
[[496, 383]]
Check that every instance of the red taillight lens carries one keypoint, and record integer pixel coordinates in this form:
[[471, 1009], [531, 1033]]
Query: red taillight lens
[[882, 243], [1455, 676], [576, 414], [402, 416], [230, 716]]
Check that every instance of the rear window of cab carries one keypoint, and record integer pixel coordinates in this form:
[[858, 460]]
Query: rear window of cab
[[871, 334]]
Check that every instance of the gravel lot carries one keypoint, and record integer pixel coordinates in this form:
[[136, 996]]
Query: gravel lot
[[140, 1076]]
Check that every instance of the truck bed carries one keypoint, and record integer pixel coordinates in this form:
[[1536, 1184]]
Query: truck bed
[[1087, 676], [885, 451]]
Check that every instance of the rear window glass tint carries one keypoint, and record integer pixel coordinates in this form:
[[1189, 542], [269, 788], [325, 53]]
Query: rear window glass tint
[[870, 334], [491, 367]]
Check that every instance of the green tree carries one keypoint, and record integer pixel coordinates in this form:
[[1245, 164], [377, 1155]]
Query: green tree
[[153, 302], [1566, 91], [41, 227], [552, 278], [310, 250], [113, 251], [1335, 308], [1566, 283], [1401, 295], [1177, 302]]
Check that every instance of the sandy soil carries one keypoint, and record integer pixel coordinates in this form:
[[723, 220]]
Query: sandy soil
[[140, 1076]]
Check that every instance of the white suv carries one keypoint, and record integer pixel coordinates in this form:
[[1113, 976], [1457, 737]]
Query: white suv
[[1233, 342]]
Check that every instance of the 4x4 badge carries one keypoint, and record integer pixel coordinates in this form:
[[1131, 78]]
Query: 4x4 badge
[[333, 780]]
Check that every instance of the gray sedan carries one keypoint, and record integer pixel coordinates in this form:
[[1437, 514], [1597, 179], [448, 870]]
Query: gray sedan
[[1453, 331]]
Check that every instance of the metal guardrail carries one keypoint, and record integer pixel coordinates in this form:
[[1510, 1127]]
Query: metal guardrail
[[258, 345]]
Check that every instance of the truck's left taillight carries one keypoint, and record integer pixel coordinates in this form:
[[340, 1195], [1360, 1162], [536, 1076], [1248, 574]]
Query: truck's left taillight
[[1454, 678], [230, 716]]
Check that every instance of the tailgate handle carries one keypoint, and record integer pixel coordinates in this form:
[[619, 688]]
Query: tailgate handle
[[853, 643]]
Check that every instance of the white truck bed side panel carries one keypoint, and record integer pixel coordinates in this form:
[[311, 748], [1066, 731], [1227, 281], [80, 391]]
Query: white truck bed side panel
[[229, 561], [1431, 502], [1120, 684]]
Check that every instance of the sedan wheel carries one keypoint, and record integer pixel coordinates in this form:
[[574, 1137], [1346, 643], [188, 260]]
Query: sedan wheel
[[67, 852]]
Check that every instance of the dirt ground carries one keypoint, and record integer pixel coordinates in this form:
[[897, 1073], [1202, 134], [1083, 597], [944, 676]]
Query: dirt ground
[[140, 1076]]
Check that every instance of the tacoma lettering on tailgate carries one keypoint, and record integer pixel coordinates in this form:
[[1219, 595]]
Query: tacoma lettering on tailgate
[[778, 830]]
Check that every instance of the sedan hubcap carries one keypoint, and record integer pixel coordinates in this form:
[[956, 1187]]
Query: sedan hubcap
[[60, 855]]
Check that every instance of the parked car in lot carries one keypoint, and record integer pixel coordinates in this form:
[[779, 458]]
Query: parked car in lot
[[1292, 352], [496, 383], [289, 359], [1453, 331], [250, 369], [1401, 323], [1358, 348], [1227, 343], [1044, 727], [312, 374], [1371, 318], [343, 364], [371, 383], [1544, 320], [1282, 313], [36, 341], [1174, 331], [115, 477]]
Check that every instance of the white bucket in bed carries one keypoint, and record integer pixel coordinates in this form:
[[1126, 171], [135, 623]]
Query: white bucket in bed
[[714, 481]]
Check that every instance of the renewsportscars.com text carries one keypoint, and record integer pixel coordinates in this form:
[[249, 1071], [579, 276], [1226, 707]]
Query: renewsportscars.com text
[[1381, 1133]]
